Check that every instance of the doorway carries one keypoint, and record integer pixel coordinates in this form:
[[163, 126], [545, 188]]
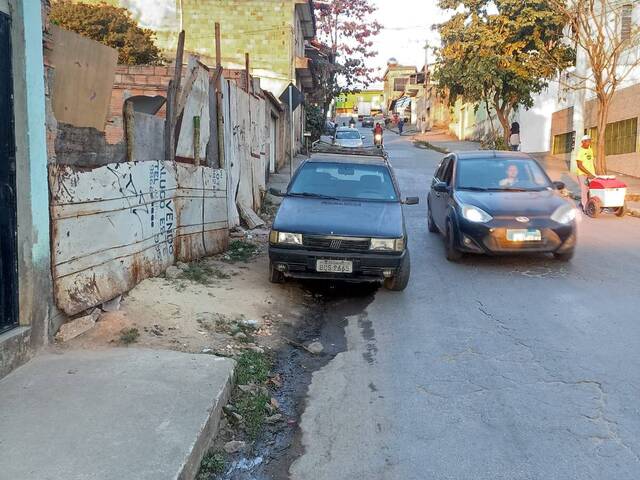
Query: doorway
[[8, 231]]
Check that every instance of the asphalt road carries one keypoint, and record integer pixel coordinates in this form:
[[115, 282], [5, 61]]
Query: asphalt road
[[493, 368]]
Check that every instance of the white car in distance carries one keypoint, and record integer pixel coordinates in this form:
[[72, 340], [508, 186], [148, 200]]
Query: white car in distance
[[348, 137]]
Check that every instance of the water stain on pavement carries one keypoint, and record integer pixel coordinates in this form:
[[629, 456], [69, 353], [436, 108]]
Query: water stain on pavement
[[368, 333], [278, 446]]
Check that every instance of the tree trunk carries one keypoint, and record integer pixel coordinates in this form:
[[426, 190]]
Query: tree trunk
[[503, 117], [601, 158]]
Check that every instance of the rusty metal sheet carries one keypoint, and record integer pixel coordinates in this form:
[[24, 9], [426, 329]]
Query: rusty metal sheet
[[116, 225]]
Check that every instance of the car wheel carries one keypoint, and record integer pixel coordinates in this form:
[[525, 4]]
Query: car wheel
[[430, 224], [622, 211], [400, 280], [275, 276], [564, 256], [593, 207], [452, 252]]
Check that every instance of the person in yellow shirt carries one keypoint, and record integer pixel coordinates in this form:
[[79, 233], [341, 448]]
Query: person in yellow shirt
[[586, 168]]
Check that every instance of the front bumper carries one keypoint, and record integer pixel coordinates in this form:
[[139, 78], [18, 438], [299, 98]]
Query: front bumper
[[367, 267], [491, 238]]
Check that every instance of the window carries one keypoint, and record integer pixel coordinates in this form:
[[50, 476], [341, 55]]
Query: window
[[448, 174], [499, 174], [621, 137], [563, 143], [441, 168], [626, 22], [399, 84], [343, 180]]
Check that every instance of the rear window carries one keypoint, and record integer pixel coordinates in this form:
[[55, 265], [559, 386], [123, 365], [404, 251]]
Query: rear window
[[503, 174], [347, 181], [348, 135]]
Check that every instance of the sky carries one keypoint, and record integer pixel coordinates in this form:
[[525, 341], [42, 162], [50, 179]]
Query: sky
[[407, 27]]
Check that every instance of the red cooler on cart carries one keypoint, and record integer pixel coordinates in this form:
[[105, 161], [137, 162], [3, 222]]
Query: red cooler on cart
[[606, 194]]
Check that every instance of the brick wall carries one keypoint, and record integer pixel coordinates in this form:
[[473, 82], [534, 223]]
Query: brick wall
[[131, 81]]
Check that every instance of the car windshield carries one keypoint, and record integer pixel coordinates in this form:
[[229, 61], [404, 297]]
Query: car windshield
[[344, 181], [347, 135], [510, 174]]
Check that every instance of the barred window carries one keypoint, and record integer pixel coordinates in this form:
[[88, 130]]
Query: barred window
[[621, 137], [563, 143], [399, 84], [626, 22]]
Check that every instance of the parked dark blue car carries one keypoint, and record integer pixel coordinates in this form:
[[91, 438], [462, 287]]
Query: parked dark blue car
[[341, 219]]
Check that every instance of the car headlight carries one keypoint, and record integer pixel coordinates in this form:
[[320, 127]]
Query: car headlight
[[564, 214], [387, 244], [475, 214], [285, 238]]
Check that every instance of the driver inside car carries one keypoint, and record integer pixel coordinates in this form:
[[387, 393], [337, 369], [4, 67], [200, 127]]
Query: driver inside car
[[511, 178]]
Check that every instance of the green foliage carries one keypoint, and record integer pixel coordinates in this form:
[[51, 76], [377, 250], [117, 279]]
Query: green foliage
[[315, 121], [253, 409], [496, 58], [253, 367], [240, 251], [112, 26], [213, 463], [201, 272]]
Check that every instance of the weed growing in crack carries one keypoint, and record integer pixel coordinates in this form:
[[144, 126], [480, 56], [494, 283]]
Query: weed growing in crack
[[252, 407], [213, 463], [253, 367], [129, 336]]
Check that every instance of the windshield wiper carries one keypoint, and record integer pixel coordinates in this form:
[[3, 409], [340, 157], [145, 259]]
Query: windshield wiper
[[313, 195], [474, 189]]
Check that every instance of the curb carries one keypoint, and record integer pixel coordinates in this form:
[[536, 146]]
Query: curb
[[423, 144]]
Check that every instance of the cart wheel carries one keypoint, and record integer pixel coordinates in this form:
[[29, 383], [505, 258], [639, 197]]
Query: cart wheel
[[594, 207], [621, 211]]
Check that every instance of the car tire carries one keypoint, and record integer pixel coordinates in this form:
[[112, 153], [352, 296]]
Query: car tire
[[275, 276], [593, 207], [621, 211], [564, 256], [452, 252], [400, 280]]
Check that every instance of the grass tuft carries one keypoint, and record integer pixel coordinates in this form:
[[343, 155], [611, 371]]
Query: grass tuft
[[213, 463], [200, 272], [240, 251], [253, 367], [129, 335], [253, 408]]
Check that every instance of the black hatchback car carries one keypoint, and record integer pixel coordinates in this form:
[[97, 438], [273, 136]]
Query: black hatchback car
[[341, 219], [499, 203]]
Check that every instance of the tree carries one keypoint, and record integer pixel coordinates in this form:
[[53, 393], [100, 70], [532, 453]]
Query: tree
[[491, 53], [112, 26], [347, 29], [609, 41]]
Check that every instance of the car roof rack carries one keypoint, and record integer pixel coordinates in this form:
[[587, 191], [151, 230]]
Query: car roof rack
[[321, 146]]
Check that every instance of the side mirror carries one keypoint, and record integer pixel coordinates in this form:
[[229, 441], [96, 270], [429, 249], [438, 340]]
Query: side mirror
[[276, 193], [559, 185], [412, 201], [441, 187]]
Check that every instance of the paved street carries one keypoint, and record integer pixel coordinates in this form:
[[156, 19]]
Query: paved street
[[493, 368]]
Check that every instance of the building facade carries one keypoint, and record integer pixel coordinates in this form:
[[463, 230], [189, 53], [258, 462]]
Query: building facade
[[395, 79], [26, 305]]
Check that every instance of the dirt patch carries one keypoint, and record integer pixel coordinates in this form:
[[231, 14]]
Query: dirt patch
[[219, 305]]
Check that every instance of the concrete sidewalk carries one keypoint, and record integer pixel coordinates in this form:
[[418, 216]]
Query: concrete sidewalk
[[443, 141], [122, 413]]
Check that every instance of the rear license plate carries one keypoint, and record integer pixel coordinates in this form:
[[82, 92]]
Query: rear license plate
[[524, 235], [334, 266]]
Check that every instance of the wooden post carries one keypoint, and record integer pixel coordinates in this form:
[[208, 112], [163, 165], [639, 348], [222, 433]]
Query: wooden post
[[172, 97], [219, 99], [129, 126], [196, 141], [247, 72]]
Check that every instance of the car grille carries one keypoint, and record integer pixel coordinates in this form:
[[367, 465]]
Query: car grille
[[336, 243]]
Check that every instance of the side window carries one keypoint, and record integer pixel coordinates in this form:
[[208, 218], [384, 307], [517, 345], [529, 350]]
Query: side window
[[448, 173], [442, 167]]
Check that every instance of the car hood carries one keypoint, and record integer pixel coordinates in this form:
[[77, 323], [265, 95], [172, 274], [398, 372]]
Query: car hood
[[529, 204], [340, 217]]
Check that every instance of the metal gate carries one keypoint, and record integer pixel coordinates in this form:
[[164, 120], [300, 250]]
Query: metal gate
[[8, 233]]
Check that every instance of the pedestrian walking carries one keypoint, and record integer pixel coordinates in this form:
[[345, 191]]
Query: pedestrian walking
[[401, 125], [514, 137], [586, 168]]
